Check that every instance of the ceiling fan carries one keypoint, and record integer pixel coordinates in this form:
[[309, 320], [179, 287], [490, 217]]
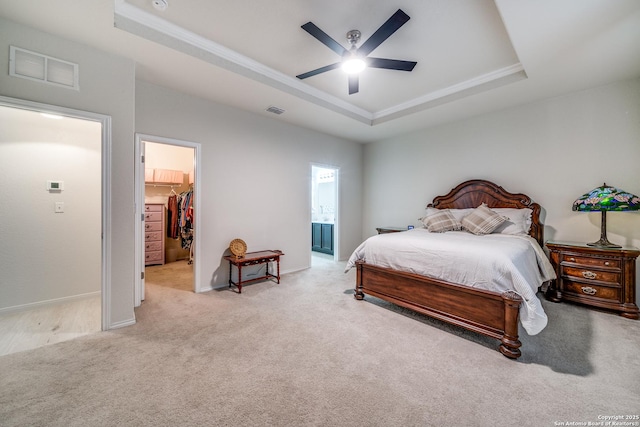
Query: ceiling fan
[[358, 58]]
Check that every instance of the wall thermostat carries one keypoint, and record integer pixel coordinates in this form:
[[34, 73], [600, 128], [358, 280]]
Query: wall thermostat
[[55, 185]]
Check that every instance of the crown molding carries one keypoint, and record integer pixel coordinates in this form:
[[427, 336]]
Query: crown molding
[[146, 25], [151, 27], [463, 89]]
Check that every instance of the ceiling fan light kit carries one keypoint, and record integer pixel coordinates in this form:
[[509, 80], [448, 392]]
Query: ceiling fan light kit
[[356, 59], [353, 65]]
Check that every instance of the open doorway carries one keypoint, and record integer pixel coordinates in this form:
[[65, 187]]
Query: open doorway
[[55, 174], [167, 199], [324, 208]]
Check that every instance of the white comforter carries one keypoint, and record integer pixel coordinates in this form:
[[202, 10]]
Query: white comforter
[[495, 262]]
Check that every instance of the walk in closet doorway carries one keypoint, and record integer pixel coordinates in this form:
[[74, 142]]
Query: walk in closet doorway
[[168, 203]]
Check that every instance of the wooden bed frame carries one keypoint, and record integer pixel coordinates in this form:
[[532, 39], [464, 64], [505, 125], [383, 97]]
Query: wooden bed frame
[[490, 313]]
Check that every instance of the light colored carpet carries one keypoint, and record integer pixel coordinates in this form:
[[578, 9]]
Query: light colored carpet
[[305, 352]]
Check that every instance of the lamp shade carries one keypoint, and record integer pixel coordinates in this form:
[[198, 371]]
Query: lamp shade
[[607, 198], [603, 199]]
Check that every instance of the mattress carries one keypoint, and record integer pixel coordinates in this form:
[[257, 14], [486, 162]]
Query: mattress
[[493, 262]]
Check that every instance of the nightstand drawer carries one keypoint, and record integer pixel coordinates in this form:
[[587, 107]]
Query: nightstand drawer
[[591, 290], [591, 261], [591, 274]]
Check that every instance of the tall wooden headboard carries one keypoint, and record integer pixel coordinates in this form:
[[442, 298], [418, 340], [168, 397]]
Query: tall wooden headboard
[[472, 193]]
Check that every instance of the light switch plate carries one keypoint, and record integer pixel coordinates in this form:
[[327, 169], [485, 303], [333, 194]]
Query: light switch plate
[[59, 207]]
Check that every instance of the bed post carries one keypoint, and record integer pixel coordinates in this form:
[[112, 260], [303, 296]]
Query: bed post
[[510, 346], [358, 294]]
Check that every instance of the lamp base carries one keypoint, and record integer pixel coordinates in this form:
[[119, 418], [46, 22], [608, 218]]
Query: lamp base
[[604, 243]]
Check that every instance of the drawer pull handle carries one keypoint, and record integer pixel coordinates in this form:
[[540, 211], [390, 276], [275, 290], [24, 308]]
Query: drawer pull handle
[[588, 290], [572, 259], [606, 263], [589, 275]]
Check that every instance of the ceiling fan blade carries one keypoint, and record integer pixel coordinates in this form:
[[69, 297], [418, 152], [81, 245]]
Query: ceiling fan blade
[[353, 84], [319, 70], [390, 64], [396, 21], [324, 38]]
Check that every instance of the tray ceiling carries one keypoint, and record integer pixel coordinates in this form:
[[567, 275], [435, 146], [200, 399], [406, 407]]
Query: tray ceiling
[[474, 56]]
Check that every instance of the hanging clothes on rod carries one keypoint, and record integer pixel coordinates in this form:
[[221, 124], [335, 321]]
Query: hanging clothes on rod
[[173, 221], [185, 213]]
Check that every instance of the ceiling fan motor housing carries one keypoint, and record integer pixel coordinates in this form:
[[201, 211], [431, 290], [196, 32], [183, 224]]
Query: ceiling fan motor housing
[[353, 37]]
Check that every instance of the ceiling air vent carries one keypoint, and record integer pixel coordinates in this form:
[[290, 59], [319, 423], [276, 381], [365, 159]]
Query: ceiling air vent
[[275, 110], [42, 68]]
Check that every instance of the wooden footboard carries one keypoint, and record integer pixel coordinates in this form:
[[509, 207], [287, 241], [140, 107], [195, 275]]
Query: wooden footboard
[[489, 313]]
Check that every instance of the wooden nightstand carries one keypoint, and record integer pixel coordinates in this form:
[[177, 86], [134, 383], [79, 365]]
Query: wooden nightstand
[[383, 230], [599, 277]]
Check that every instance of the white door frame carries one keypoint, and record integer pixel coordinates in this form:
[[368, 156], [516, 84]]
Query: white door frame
[[336, 216], [139, 197], [105, 121]]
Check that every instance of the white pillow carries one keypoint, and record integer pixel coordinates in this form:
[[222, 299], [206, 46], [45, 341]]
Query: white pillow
[[519, 221]]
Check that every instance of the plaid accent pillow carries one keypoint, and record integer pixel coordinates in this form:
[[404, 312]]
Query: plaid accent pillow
[[441, 221], [482, 220]]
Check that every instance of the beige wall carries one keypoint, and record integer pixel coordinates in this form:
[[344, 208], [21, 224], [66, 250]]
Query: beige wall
[[554, 150], [167, 156], [48, 255]]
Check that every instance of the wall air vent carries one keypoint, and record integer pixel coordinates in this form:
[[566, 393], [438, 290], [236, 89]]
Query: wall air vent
[[275, 110], [42, 68]]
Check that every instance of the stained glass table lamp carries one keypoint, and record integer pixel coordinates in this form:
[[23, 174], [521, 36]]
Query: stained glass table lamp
[[603, 199]]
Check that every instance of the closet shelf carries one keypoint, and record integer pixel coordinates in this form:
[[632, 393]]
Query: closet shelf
[[163, 177]]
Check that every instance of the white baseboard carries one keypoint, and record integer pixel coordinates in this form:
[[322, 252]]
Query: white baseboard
[[122, 324], [47, 303]]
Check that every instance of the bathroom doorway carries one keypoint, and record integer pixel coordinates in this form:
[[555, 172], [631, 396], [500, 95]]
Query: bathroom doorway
[[324, 208]]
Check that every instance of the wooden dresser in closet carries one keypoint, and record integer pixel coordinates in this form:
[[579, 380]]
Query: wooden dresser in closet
[[154, 233]]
